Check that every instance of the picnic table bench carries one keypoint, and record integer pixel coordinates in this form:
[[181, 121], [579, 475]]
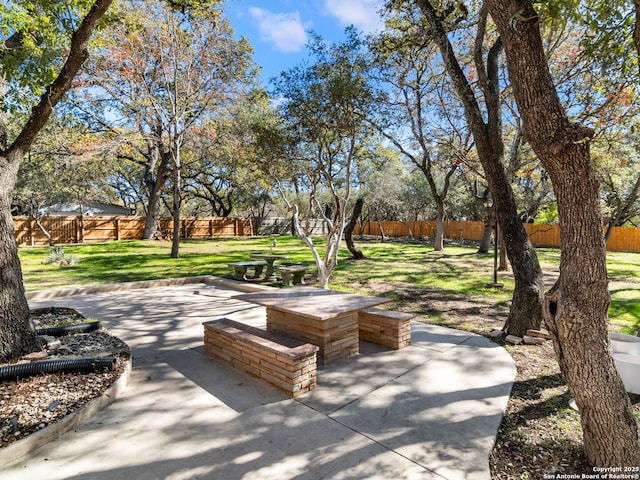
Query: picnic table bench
[[388, 328], [282, 362], [293, 274], [240, 268]]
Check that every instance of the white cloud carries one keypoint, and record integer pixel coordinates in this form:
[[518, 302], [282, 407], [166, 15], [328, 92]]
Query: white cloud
[[361, 13], [284, 31]]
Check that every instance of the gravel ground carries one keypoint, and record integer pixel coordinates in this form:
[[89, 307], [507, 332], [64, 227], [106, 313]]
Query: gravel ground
[[30, 404]]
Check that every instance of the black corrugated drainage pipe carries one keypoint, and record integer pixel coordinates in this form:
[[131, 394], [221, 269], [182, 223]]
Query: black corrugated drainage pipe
[[81, 365], [69, 329]]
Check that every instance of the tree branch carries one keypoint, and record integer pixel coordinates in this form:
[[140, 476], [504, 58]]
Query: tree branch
[[472, 109], [56, 90]]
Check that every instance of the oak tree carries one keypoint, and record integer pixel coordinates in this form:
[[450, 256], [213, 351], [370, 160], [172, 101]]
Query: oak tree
[[44, 46], [167, 74], [431, 137], [575, 310], [486, 126], [323, 104]]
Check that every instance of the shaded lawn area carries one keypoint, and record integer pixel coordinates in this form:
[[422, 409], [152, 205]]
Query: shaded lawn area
[[128, 261], [413, 274]]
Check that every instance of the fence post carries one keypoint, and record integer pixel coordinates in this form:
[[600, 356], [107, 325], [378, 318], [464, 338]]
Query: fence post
[[32, 241]]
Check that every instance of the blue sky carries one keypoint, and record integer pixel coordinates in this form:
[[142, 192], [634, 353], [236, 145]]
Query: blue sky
[[277, 29]]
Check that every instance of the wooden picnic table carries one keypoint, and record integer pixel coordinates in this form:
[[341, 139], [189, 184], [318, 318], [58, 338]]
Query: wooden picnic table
[[270, 259], [326, 318]]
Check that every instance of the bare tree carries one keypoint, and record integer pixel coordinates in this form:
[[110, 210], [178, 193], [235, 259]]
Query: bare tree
[[420, 120]]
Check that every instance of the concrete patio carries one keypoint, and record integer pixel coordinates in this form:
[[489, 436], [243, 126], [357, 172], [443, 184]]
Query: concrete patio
[[429, 411]]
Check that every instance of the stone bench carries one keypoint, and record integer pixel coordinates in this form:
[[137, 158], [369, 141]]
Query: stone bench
[[282, 362], [240, 268], [388, 328], [293, 274]]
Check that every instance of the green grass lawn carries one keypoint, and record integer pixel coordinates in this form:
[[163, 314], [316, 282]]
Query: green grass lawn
[[456, 271]]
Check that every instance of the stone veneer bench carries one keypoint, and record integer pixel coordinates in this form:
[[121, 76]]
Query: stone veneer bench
[[282, 362], [388, 328]]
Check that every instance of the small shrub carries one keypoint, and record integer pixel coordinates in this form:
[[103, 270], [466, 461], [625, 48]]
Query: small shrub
[[59, 256]]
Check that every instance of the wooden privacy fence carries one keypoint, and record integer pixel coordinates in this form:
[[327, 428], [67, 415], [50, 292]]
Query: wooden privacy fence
[[623, 239], [103, 229]]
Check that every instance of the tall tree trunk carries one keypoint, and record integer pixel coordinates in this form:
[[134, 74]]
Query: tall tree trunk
[[175, 244], [81, 240], [348, 231], [438, 197], [42, 229], [502, 267], [409, 230], [324, 273], [155, 183], [17, 334], [622, 209], [438, 240], [487, 234], [383, 238], [526, 304], [576, 308]]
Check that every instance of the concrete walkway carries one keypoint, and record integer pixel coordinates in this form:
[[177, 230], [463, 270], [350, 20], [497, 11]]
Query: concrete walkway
[[429, 411]]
